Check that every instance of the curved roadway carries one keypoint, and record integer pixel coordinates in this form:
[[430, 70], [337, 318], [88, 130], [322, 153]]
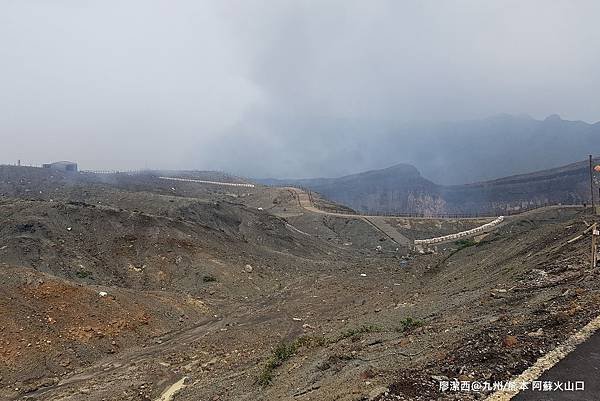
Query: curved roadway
[[380, 223]]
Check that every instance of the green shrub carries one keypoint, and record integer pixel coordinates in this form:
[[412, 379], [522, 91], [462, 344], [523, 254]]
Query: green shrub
[[285, 351], [83, 274], [408, 324], [465, 243], [280, 354], [358, 331]]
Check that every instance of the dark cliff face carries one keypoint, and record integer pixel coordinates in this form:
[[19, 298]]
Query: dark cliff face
[[567, 184], [398, 188], [460, 152], [402, 189]]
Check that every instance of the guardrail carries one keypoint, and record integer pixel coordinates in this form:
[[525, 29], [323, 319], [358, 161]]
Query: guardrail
[[229, 184], [459, 235]]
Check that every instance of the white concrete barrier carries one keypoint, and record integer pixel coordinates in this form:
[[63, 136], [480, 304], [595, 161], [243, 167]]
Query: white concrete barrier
[[461, 234], [229, 184]]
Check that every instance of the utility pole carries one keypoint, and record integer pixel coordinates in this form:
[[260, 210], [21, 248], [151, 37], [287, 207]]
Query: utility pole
[[595, 235], [592, 183]]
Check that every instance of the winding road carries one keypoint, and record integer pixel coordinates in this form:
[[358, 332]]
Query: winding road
[[380, 223]]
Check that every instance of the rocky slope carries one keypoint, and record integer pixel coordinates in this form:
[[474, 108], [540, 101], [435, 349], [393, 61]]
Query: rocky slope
[[128, 289]]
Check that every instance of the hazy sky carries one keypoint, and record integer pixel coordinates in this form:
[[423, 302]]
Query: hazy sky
[[253, 87]]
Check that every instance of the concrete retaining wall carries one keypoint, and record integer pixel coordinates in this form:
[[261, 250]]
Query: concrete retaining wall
[[462, 234]]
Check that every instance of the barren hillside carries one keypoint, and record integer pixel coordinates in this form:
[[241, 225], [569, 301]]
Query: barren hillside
[[122, 289]]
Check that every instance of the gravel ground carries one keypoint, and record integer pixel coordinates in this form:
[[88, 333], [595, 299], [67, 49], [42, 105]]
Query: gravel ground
[[202, 285]]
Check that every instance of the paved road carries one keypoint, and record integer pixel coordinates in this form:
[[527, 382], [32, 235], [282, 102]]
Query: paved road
[[389, 230], [581, 364], [377, 222], [380, 223]]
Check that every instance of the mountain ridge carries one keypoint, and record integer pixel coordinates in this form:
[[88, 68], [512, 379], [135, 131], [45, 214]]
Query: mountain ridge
[[402, 189], [447, 153]]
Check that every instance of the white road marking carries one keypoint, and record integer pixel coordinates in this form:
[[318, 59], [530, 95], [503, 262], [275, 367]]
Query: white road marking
[[549, 360]]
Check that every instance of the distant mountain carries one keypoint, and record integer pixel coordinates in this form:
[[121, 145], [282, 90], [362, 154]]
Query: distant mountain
[[402, 189], [447, 153], [500, 146], [399, 187]]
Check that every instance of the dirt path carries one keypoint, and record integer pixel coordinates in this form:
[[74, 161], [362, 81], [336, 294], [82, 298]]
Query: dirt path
[[170, 392], [122, 361]]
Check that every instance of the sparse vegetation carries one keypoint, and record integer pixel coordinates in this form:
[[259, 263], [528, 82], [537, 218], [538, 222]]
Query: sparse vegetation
[[285, 351], [313, 320], [281, 353], [465, 243], [408, 324], [358, 331], [460, 245], [83, 274], [311, 341]]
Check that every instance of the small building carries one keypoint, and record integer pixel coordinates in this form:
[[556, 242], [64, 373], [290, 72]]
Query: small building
[[62, 166]]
